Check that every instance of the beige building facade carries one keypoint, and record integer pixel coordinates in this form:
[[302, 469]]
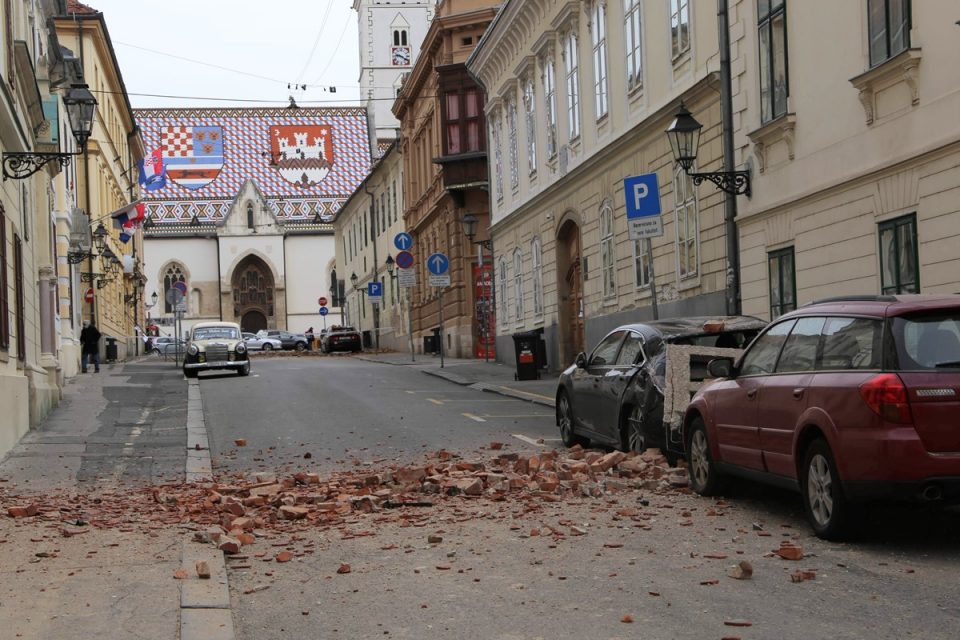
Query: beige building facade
[[580, 94], [855, 142], [365, 230]]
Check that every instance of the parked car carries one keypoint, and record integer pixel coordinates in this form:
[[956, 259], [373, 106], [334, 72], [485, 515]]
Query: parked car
[[628, 394], [288, 341], [341, 339], [261, 343], [216, 345], [166, 345], [844, 400]]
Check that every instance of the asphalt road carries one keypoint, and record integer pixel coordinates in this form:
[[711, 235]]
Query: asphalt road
[[346, 411]]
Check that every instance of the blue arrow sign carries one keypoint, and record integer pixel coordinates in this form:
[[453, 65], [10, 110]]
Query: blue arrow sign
[[438, 264], [403, 241], [324, 311], [375, 289]]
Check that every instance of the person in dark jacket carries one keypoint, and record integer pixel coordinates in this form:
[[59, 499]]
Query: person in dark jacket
[[89, 346]]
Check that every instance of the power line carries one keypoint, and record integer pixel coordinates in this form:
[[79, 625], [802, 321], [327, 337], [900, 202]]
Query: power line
[[316, 42], [200, 62], [336, 47], [221, 99]]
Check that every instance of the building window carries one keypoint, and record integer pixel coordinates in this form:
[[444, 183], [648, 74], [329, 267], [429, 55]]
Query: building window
[[641, 263], [607, 262], [598, 31], [462, 116], [536, 264], [783, 282], [679, 26], [889, 24], [173, 275], [772, 29], [393, 199], [250, 224], [550, 102], [512, 141], [529, 106], [518, 285], [400, 38], [503, 303], [497, 159], [685, 210], [899, 261], [4, 285], [20, 302], [632, 22], [573, 84]]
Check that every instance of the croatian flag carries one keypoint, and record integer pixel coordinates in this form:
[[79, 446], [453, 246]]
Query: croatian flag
[[192, 156], [133, 212], [153, 174]]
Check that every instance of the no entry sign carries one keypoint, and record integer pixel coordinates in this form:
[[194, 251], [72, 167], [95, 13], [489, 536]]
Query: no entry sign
[[88, 296]]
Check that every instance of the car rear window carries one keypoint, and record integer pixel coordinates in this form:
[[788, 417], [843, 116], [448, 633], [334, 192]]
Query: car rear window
[[928, 341]]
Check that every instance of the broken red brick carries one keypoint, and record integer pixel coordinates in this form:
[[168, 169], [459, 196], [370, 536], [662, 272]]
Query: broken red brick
[[240, 442], [229, 545], [627, 619], [790, 551], [22, 512], [203, 569], [180, 574], [344, 568], [293, 513], [741, 571], [284, 556]]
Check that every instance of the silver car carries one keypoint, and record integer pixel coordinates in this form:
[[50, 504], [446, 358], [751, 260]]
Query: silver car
[[261, 343]]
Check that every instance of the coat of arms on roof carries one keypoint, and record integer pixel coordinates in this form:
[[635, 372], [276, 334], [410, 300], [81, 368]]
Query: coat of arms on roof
[[303, 154], [193, 155]]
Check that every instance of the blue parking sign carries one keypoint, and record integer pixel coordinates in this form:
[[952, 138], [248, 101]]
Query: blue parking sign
[[642, 195], [375, 289]]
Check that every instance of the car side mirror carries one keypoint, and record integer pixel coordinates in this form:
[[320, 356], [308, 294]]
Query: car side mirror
[[581, 360], [721, 367]]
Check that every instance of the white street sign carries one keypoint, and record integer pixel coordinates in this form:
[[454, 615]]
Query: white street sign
[[408, 278], [646, 228], [440, 281]]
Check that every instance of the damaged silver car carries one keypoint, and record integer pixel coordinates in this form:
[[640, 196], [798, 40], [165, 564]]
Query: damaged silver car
[[633, 389]]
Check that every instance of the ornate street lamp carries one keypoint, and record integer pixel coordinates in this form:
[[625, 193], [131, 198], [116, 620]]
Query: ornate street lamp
[[684, 136], [99, 241], [81, 107], [391, 263]]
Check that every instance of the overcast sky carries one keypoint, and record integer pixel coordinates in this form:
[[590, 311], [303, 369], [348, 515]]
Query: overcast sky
[[241, 52]]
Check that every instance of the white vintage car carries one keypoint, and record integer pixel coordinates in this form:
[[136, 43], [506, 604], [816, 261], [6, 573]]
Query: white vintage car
[[216, 345]]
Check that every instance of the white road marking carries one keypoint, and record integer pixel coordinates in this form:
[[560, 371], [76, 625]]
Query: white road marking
[[473, 417], [521, 415], [529, 440], [437, 402]]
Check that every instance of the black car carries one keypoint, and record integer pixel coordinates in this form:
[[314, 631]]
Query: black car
[[630, 395], [341, 339], [290, 341]]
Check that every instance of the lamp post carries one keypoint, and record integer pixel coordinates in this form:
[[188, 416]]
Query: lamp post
[[469, 222], [359, 290], [684, 136], [81, 106]]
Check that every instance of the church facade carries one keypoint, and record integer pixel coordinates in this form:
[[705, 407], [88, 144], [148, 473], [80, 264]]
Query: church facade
[[240, 228]]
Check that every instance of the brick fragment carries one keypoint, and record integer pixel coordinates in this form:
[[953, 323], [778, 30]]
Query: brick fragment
[[284, 556], [240, 442], [229, 545], [434, 539], [203, 569], [293, 513], [344, 568], [741, 571], [790, 551], [22, 512]]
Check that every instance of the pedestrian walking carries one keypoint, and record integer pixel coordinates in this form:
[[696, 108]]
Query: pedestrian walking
[[309, 336], [89, 346]]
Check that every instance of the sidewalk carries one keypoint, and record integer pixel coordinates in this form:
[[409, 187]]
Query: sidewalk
[[493, 377], [66, 578]]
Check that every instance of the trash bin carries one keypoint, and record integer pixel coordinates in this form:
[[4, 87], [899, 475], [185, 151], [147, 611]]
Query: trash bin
[[525, 344], [111, 355], [430, 344]]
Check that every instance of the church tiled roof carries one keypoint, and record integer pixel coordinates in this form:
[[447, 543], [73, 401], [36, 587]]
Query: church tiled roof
[[306, 161], [73, 6]]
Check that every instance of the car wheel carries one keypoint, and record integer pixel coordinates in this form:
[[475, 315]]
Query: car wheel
[[244, 370], [267, 346], [632, 437], [301, 347], [568, 432], [704, 477], [190, 373], [827, 508]]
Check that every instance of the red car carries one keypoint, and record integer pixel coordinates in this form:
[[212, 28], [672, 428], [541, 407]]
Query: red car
[[845, 400]]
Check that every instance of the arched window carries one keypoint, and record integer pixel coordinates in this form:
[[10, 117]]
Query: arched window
[[173, 275], [503, 304], [536, 268], [607, 261], [518, 284], [250, 224]]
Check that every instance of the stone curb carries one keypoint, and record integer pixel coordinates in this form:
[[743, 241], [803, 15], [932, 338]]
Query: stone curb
[[199, 467], [514, 393], [446, 375]]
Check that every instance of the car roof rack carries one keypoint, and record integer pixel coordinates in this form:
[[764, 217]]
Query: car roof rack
[[854, 298]]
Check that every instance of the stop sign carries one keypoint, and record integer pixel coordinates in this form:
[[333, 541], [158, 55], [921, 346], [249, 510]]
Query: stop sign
[[88, 296], [322, 301]]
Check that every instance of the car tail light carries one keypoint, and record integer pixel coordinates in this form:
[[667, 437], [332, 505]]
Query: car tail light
[[886, 396]]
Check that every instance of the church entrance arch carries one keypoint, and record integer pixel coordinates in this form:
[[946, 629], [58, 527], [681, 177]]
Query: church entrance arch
[[253, 321], [570, 288], [253, 290]]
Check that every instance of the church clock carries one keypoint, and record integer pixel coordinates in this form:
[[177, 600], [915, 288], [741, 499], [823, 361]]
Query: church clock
[[400, 56]]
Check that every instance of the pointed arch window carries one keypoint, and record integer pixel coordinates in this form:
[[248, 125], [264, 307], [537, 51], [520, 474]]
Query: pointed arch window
[[173, 275], [250, 224]]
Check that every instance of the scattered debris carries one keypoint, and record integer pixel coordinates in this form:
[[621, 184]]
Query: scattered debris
[[741, 571], [203, 570], [790, 550]]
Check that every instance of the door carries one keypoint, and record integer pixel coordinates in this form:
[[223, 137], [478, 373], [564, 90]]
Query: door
[[614, 383], [736, 405], [588, 400], [569, 276], [784, 396], [575, 305]]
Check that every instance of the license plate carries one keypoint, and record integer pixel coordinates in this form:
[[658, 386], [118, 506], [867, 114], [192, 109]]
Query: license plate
[[221, 363]]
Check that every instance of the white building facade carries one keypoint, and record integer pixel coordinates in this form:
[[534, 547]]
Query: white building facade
[[579, 96]]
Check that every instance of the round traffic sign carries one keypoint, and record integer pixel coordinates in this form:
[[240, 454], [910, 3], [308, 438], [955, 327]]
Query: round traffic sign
[[323, 310], [404, 260], [181, 286], [403, 241], [88, 296], [322, 301], [438, 264]]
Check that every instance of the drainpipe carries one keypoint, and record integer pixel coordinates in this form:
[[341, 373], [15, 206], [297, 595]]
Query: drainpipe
[[730, 201], [376, 264]]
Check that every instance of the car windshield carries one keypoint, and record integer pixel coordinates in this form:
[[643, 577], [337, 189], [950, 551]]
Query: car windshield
[[928, 341], [214, 333]]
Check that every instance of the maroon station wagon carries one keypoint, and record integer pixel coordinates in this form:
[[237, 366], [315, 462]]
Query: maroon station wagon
[[845, 400]]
